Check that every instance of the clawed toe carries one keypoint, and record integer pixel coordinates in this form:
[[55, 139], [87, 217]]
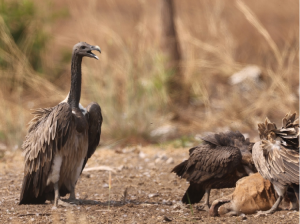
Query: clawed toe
[[64, 204], [204, 207], [261, 213]]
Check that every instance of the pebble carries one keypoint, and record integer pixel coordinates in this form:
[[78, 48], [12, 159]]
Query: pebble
[[158, 160], [152, 195], [170, 161], [243, 216], [142, 155], [167, 219]]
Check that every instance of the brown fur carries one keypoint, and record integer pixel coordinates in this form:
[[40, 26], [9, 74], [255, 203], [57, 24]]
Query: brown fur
[[251, 194]]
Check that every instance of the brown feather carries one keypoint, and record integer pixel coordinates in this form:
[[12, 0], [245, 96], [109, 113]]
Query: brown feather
[[276, 156], [213, 165], [39, 147]]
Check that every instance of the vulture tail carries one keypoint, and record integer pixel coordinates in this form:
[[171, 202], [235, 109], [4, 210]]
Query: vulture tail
[[195, 193], [180, 168], [27, 194], [297, 191]]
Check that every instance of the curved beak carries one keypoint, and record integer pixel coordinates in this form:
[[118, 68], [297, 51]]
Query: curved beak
[[94, 48]]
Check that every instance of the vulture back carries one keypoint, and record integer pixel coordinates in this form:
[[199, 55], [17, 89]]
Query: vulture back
[[219, 155]]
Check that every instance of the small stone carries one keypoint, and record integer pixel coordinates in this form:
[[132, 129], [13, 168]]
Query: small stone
[[158, 160], [167, 219], [152, 195], [164, 157], [165, 202], [120, 168], [176, 207], [243, 216], [170, 161], [142, 155], [105, 185]]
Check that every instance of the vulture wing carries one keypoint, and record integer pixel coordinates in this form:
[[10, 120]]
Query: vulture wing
[[206, 162], [276, 163], [48, 133], [94, 117], [276, 156]]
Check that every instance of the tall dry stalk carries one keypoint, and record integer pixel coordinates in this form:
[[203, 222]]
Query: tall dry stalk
[[250, 16]]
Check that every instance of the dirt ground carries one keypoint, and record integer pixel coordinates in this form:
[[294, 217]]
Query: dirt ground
[[142, 191]]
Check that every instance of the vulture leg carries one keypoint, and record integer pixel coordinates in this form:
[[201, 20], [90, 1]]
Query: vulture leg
[[291, 197], [72, 194], [206, 202], [72, 198], [296, 190], [272, 210], [57, 200], [205, 205], [56, 195], [281, 190]]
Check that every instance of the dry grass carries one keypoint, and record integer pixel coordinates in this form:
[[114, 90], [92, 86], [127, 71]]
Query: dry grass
[[217, 39]]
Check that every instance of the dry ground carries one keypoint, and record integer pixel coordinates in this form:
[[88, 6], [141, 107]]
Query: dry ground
[[152, 192]]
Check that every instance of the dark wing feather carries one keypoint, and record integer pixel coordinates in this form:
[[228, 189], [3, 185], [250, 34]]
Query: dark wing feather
[[94, 117], [229, 138], [206, 162], [48, 133]]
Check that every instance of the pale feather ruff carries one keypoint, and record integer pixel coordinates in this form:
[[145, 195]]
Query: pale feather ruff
[[55, 170]]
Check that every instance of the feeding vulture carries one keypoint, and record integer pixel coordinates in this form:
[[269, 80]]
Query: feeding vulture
[[60, 140], [223, 159], [276, 156]]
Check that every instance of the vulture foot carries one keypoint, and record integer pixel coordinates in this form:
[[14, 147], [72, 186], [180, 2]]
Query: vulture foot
[[61, 203], [263, 213], [203, 207], [272, 210]]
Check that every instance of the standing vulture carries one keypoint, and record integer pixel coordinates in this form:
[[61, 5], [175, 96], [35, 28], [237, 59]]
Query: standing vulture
[[60, 140], [276, 156], [223, 159]]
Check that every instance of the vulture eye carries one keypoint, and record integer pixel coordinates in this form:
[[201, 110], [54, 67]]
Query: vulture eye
[[82, 47]]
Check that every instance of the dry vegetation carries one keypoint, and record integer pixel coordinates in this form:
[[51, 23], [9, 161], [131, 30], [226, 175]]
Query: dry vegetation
[[217, 39]]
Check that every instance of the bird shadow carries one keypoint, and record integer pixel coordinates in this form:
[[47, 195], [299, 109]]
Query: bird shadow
[[120, 203]]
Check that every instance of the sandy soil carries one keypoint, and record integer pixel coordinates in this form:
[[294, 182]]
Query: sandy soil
[[142, 191]]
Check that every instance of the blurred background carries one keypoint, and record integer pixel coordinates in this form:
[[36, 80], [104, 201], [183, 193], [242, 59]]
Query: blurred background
[[227, 66]]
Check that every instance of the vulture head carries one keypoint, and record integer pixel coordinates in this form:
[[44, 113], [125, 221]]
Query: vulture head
[[85, 50], [246, 151]]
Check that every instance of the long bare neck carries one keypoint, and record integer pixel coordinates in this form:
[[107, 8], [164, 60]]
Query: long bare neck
[[75, 91]]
